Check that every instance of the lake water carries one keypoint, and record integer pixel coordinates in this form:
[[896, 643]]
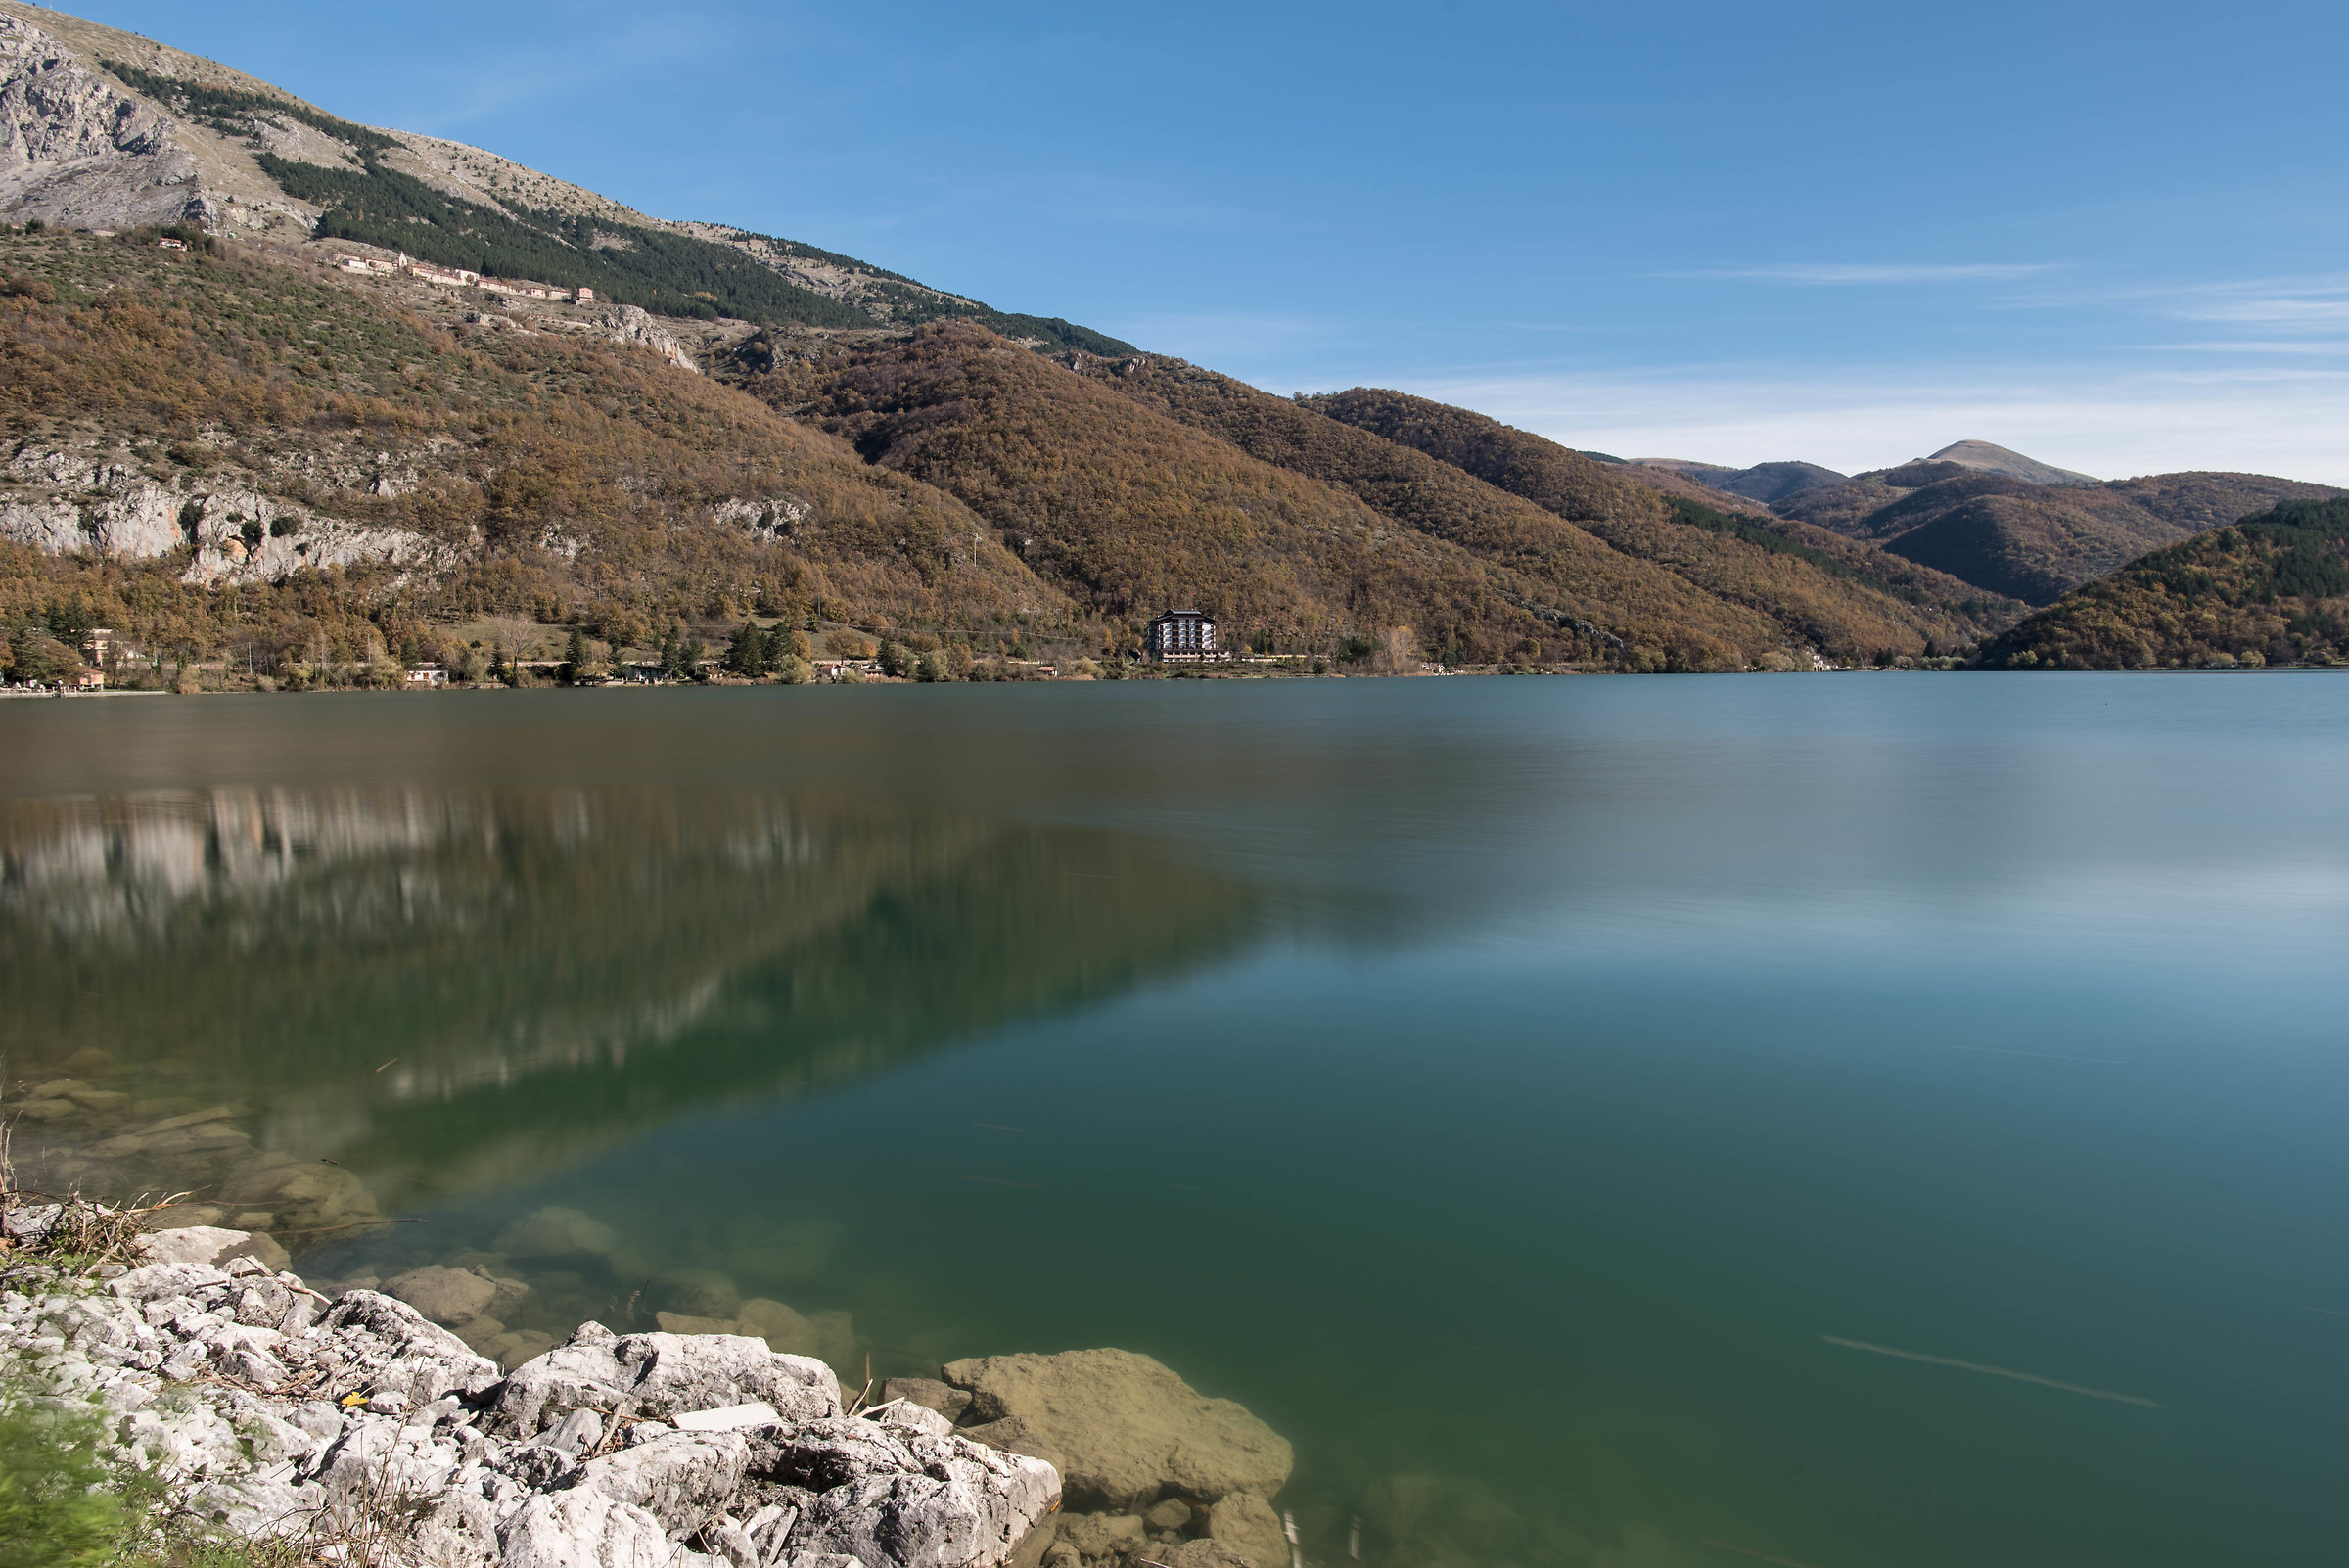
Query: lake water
[[1854, 1121]]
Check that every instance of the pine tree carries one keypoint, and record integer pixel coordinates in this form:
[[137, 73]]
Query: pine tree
[[746, 654]]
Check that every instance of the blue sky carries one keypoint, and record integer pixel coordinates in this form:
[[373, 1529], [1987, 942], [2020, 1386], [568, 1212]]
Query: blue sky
[[2109, 236]]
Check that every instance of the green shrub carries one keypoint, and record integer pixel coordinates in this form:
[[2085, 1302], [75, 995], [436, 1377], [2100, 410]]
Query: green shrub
[[58, 1507]]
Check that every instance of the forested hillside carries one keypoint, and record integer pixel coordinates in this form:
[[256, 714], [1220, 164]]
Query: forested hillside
[[1854, 600], [2031, 540], [2271, 590], [1132, 511], [568, 478]]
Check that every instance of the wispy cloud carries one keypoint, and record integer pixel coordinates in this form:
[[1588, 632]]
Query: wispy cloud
[[1832, 273], [2252, 345], [2318, 302]]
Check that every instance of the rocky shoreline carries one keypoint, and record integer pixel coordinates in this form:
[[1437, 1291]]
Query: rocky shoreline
[[355, 1429]]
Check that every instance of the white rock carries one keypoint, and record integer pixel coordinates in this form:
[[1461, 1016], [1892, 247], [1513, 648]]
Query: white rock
[[726, 1418], [682, 1480], [661, 1377], [582, 1528], [916, 1501], [909, 1419]]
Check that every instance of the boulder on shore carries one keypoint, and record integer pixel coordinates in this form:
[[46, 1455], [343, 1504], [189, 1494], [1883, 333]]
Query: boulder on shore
[[658, 1375]]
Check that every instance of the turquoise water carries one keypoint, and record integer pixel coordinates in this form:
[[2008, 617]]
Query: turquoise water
[[1849, 1121]]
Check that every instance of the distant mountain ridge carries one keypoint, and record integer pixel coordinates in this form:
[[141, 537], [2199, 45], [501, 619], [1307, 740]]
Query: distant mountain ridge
[[2271, 589], [2026, 538], [2008, 524]]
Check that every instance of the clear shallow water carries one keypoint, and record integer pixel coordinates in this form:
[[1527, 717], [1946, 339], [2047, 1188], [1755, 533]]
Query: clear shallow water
[[1535, 1099]]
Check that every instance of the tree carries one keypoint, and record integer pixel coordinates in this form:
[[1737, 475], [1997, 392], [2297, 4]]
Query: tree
[[35, 656], [746, 654], [935, 666], [1398, 651], [681, 656], [896, 660], [576, 657]]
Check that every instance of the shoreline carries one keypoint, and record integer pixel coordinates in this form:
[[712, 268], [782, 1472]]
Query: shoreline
[[355, 1429]]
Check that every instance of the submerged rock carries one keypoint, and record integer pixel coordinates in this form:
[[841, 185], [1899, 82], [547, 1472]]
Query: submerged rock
[[1249, 1526], [555, 1232], [1128, 1430]]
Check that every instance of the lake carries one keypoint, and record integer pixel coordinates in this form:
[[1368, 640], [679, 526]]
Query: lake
[[1851, 1122]]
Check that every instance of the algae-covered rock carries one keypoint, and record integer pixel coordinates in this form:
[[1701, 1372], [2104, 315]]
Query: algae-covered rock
[[1129, 1428], [557, 1233], [450, 1297], [1103, 1537], [1196, 1554], [927, 1392], [694, 1293], [1249, 1526]]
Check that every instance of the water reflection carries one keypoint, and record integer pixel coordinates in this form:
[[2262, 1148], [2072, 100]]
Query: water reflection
[[445, 990]]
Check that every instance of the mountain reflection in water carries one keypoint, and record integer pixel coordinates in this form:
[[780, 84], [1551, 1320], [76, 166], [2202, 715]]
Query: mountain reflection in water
[[448, 991]]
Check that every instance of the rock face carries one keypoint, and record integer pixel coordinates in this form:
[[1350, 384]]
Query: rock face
[[67, 502], [76, 146], [1123, 1430], [264, 1405], [630, 324]]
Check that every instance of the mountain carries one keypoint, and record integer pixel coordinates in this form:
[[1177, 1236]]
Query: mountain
[[1842, 594], [1764, 482], [334, 397], [245, 450], [1133, 510], [2026, 538], [111, 130], [1999, 460], [2271, 589]]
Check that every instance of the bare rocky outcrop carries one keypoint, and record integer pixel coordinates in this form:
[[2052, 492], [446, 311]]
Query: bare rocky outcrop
[[630, 324], [70, 504], [76, 148], [775, 519]]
